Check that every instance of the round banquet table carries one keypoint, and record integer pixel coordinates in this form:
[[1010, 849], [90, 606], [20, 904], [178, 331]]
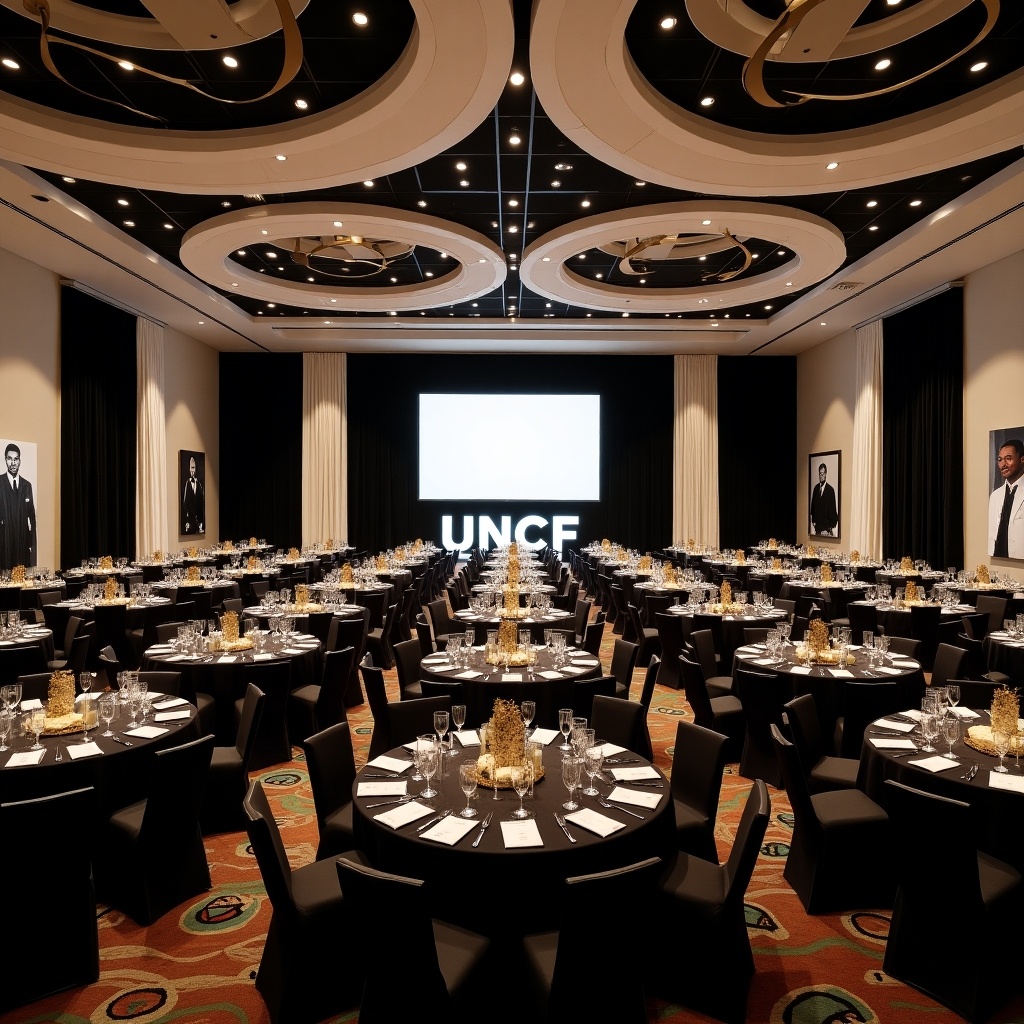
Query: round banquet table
[[18, 654], [553, 618], [61, 611], [223, 675], [1005, 654], [27, 595], [896, 621], [119, 775], [825, 683], [482, 684], [732, 626], [995, 809], [970, 593], [470, 885], [183, 590], [263, 614], [896, 579]]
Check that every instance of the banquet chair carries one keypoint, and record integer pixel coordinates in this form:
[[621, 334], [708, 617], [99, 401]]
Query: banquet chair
[[761, 696], [652, 605], [232, 604], [258, 589], [607, 902], [442, 623], [924, 626], [443, 964], [272, 745], [974, 656], [303, 975], [670, 633], [108, 664], [698, 762], [408, 655], [408, 719], [112, 631], [585, 690], [422, 628], [976, 693], [949, 661], [154, 856], [451, 688], [756, 634], [713, 625], [331, 765], [650, 678], [376, 601], [378, 640], [316, 706], [593, 636], [623, 722], [822, 771], [863, 619], [619, 604], [34, 685], [826, 865], [320, 624], [719, 683], [864, 701], [646, 636], [905, 646], [720, 714], [703, 959], [995, 607], [965, 897], [582, 612], [350, 632], [185, 610], [975, 625], [166, 632], [229, 771], [623, 663], [53, 900], [377, 698]]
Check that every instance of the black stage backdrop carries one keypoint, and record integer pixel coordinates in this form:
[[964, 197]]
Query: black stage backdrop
[[757, 473], [97, 429], [636, 444], [922, 441], [261, 447]]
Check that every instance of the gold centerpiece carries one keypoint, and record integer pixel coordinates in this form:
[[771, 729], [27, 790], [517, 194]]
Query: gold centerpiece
[[741, 557], [777, 564], [193, 552], [110, 589], [293, 554], [606, 544], [61, 716], [252, 542], [810, 551], [668, 573], [906, 564], [345, 574], [192, 574], [505, 747], [982, 574], [107, 562], [381, 563], [1005, 717], [18, 574], [158, 555], [417, 545], [854, 555], [910, 592], [772, 542], [231, 641], [228, 545], [645, 563]]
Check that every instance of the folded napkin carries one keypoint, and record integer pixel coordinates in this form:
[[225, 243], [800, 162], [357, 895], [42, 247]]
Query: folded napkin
[[936, 763], [573, 669], [402, 814], [387, 787], [29, 705], [170, 716], [800, 670], [841, 673], [890, 671], [599, 824], [469, 737], [227, 659], [637, 799], [964, 713], [889, 723], [292, 651], [449, 830], [78, 750], [544, 736], [262, 657], [146, 732], [391, 764], [469, 674], [633, 774], [905, 664], [892, 743], [998, 780], [611, 749], [521, 833], [171, 702], [25, 757], [550, 674], [511, 677]]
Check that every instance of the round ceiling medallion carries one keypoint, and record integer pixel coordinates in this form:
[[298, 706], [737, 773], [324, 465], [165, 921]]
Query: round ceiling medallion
[[817, 250], [207, 249]]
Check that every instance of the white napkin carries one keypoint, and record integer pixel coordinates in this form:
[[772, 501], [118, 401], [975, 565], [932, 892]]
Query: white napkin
[[611, 749], [146, 732], [469, 738], [391, 764], [77, 750], [450, 830], [262, 657], [998, 780], [574, 669], [912, 713], [633, 774], [176, 657], [401, 815], [25, 757], [890, 671], [442, 667], [631, 796], [292, 651], [936, 763], [892, 743], [589, 662], [170, 716], [889, 723], [226, 659], [172, 702], [964, 713], [387, 787], [905, 664], [29, 705], [594, 822], [841, 673], [511, 677], [544, 736], [550, 674], [159, 649], [521, 833], [469, 674], [435, 661], [800, 670]]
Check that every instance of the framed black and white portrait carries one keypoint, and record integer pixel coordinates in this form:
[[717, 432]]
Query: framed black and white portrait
[[19, 534], [191, 493], [824, 488]]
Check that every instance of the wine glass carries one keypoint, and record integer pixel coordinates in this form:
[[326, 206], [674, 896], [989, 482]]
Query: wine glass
[[522, 776], [579, 736], [11, 696], [1001, 739], [441, 727], [953, 694], [930, 731], [459, 717], [106, 710], [593, 764], [36, 724], [429, 754], [571, 767], [565, 727], [882, 644], [528, 709], [468, 783], [951, 731], [5, 728]]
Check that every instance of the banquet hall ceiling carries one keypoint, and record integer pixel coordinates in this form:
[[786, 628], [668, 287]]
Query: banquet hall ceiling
[[401, 189]]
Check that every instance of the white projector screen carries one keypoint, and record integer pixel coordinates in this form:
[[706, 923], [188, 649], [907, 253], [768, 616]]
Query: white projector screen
[[510, 447]]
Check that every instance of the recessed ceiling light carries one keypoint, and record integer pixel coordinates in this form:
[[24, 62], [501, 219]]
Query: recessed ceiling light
[[529, 224], [583, 255], [394, 280], [643, 280], [589, 315], [545, 259], [872, 203], [429, 273], [980, 66], [443, 255], [481, 260], [755, 255], [122, 202], [241, 252], [513, 202], [200, 322], [70, 181], [129, 223], [280, 156], [915, 202], [832, 165], [639, 184], [514, 140], [263, 231], [271, 255], [475, 304], [625, 314], [599, 276], [271, 305], [707, 101], [547, 305], [368, 183], [334, 300], [515, 266], [883, 64], [226, 204], [281, 269], [494, 223], [169, 227], [230, 62], [234, 284], [513, 229], [782, 252], [12, 64], [823, 324], [338, 224], [517, 78], [893, 3], [556, 184], [127, 65], [512, 256], [705, 222], [327, 322], [585, 203], [422, 202], [789, 284], [360, 19], [701, 259], [873, 227], [767, 307], [301, 104], [668, 23], [460, 166], [464, 183]]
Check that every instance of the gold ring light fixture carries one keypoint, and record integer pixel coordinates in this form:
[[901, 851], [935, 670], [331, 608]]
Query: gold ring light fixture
[[655, 248], [352, 252]]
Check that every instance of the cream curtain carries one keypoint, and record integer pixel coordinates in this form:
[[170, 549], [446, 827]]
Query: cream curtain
[[866, 476], [324, 448], [695, 451], [151, 461]]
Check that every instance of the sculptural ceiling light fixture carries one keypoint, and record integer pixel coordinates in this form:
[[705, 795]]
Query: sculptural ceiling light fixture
[[376, 254], [656, 248], [197, 25], [819, 31]]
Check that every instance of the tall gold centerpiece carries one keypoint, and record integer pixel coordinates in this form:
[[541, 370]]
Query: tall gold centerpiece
[[506, 735], [61, 717]]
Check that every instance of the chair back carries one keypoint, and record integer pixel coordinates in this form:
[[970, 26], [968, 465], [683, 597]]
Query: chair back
[[623, 722], [377, 697], [756, 634], [268, 849], [670, 633], [233, 604], [995, 607], [863, 619], [806, 730], [349, 632], [949, 661], [376, 601], [70, 632], [975, 625], [160, 682], [443, 687], [408, 719], [624, 655], [320, 624], [653, 604], [593, 636], [795, 783], [747, 845], [249, 723], [34, 685], [583, 607], [762, 697], [185, 610], [924, 626], [696, 691], [698, 762], [79, 654], [408, 655], [331, 764], [906, 646], [703, 641], [650, 678], [423, 635], [176, 789], [440, 619], [330, 702], [863, 702], [585, 690], [975, 693]]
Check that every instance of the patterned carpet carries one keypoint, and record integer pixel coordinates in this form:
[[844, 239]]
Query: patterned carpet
[[197, 964]]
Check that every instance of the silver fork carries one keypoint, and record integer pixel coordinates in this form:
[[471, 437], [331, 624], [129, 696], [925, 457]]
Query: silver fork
[[615, 807], [59, 756]]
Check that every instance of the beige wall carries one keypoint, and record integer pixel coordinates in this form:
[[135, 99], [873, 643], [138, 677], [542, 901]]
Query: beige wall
[[993, 390], [826, 378], [30, 381], [191, 404]]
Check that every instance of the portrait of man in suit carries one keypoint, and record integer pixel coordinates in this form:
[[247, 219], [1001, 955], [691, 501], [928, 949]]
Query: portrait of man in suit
[[1006, 500], [823, 509], [193, 493], [18, 534]]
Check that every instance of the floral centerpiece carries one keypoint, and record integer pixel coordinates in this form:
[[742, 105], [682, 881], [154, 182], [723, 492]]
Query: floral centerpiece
[[505, 746], [61, 717]]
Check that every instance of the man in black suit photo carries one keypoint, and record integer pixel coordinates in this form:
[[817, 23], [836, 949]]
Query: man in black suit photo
[[17, 514], [824, 512], [193, 502]]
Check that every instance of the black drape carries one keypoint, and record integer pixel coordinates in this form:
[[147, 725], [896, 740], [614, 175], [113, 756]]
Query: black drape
[[261, 447], [756, 442], [97, 429], [636, 442], [922, 442]]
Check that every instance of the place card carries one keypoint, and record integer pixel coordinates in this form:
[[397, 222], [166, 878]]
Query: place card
[[890, 671], [573, 669], [29, 705], [227, 659], [77, 750], [450, 830], [633, 774], [892, 743], [262, 657], [292, 651], [517, 834], [889, 723], [388, 787], [999, 780], [631, 796], [146, 732], [937, 763], [550, 674], [469, 674], [468, 737], [170, 716], [611, 749], [800, 670], [24, 758], [401, 815], [543, 736], [391, 764], [172, 702], [511, 677], [599, 824]]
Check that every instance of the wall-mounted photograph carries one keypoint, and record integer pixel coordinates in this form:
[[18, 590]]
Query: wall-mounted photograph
[[824, 485], [192, 488], [1006, 493], [19, 541]]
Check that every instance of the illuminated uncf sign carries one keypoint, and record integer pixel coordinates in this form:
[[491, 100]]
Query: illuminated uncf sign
[[501, 536]]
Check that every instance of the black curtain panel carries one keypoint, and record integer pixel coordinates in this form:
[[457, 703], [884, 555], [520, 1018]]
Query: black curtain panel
[[757, 473], [97, 429], [635, 503], [922, 441], [261, 447]]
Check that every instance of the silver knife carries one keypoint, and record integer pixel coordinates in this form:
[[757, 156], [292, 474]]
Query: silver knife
[[117, 739], [483, 828], [561, 825], [435, 818], [385, 803]]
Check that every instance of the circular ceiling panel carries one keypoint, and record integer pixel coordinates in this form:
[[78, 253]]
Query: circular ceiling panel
[[817, 249], [416, 111], [593, 92], [207, 252]]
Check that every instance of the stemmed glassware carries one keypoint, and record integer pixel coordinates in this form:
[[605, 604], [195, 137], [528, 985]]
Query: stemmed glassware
[[458, 718], [930, 731], [528, 709], [11, 695], [579, 736], [953, 694], [5, 728], [565, 727], [951, 732], [106, 708], [522, 776], [594, 762], [1001, 739], [441, 728], [36, 724], [86, 681], [571, 767], [468, 783], [429, 755]]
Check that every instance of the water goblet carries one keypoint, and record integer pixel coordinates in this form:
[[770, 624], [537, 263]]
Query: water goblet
[[951, 732], [458, 717], [107, 706], [522, 776], [468, 783], [5, 728], [571, 767], [953, 694], [36, 722], [430, 755], [1001, 740], [578, 738], [594, 762], [930, 731], [565, 727], [528, 709]]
